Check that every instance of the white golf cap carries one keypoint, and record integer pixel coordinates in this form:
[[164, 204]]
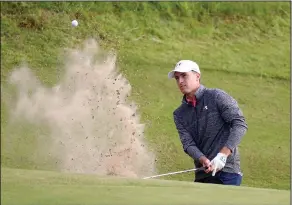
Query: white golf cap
[[184, 66]]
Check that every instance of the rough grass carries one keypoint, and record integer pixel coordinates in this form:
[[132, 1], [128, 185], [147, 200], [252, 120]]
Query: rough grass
[[241, 47]]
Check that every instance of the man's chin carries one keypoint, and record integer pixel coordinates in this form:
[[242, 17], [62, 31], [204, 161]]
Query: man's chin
[[185, 92]]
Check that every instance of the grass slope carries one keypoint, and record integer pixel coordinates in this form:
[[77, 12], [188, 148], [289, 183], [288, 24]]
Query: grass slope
[[242, 47], [43, 187]]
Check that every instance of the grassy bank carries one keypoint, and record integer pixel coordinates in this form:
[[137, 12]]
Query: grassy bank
[[241, 47]]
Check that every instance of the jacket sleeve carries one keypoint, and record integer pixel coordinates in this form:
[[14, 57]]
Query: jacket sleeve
[[186, 139], [231, 114]]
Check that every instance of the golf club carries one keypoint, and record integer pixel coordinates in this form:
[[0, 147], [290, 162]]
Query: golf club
[[178, 172]]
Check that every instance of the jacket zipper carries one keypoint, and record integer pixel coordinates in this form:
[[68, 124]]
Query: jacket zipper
[[197, 124]]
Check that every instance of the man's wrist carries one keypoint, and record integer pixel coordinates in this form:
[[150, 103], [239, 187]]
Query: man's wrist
[[226, 151], [202, 159]]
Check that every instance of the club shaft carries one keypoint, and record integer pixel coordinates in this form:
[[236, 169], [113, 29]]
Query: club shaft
[[172, 173]]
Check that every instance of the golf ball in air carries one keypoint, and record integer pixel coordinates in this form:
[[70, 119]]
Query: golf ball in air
[[74, 23]]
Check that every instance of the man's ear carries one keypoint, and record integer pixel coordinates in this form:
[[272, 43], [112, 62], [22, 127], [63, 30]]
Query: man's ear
[[198, 76]]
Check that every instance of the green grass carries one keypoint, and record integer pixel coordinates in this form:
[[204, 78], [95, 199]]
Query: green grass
[[240, 46], [43, 187]]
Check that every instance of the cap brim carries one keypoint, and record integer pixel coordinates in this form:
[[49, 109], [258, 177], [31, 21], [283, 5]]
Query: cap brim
[[171, 74]]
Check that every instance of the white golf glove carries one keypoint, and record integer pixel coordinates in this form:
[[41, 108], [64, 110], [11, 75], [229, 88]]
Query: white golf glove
[[218, 162]]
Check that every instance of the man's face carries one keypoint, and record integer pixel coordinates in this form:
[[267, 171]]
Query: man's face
[[187, 82]]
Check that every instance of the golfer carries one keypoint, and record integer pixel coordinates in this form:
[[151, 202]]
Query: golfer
[[210, 126]]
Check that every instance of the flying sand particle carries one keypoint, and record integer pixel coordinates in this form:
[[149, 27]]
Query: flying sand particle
[[86, 95]]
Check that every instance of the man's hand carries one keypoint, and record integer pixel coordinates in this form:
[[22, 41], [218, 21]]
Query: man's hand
[[206, 163], [218, 162]]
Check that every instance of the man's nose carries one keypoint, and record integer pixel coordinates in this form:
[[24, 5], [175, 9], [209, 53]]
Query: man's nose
[[180, 80]]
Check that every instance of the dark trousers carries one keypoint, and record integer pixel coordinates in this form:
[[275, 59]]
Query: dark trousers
[[223, 178]]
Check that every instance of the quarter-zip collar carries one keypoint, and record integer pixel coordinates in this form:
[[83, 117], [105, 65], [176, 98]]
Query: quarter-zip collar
[[198, 94]]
